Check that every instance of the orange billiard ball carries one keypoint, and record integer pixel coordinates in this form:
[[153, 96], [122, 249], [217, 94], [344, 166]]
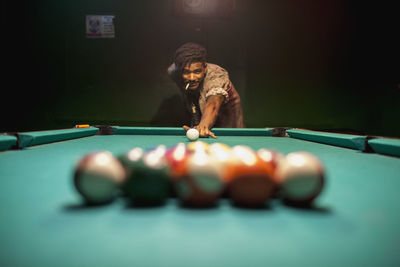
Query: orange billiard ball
[[271, 158], [249, 180]]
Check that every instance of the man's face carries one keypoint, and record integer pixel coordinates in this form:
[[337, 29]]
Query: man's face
[[193, 74]]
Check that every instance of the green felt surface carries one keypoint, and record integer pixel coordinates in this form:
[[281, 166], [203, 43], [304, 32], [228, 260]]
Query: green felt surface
[[7, 141], [43, 223], [343, 140], [44, 137], [385, 146]]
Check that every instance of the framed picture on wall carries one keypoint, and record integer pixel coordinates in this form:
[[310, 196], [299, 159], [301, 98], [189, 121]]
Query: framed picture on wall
[[100, 26]]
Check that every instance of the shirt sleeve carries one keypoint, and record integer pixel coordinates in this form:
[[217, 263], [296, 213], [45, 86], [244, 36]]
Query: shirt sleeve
[[216, 82]]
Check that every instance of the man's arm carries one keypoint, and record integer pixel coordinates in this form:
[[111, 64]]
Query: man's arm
[[210, 115]]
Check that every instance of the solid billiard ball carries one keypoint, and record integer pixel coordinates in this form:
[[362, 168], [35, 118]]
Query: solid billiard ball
[[175, 157], [200, 184], [302, 178], [198, 145], [249, 181], [131, 158], [192, 134], [148, 182], [98, 177], [271, 159]]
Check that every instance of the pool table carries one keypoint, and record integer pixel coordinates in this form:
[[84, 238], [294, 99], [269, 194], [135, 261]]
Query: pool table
[[44, 222]]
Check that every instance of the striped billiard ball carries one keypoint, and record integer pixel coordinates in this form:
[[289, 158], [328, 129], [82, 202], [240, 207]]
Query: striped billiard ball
[[200, 183], [302, 178], [98, 177]]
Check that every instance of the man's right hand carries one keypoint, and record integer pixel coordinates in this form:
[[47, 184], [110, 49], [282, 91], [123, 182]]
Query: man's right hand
[[203, 131]]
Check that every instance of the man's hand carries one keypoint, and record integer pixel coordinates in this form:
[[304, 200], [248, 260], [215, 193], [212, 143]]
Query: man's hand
[[209, 116], [203, 131]]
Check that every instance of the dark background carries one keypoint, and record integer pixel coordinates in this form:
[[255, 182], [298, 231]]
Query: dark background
[[330, 65]]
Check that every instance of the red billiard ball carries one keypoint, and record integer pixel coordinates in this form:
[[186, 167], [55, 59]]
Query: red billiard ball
[[175, 157], [302, 178], [98, 177], [250, 182]]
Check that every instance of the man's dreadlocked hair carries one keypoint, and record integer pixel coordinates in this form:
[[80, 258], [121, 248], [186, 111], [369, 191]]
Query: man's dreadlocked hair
[[189, 53]]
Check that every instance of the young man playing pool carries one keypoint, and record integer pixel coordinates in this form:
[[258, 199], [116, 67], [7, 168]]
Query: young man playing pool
[[208, 94]]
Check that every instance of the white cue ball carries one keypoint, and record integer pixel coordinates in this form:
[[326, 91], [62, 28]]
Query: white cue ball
[[192, 134]]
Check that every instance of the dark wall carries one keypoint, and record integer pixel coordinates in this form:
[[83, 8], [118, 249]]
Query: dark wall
[[310, 64]]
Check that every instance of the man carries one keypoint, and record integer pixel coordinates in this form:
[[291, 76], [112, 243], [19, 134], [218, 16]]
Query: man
[[209, 95]]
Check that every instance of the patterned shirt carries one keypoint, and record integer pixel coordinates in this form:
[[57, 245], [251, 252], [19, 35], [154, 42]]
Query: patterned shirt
[[216, 82]]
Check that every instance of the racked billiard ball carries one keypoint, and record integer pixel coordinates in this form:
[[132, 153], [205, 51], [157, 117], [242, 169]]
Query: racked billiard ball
[[98, 177], [271, 158], [249, 181], [224, 156], [147, 181], [175, 157], [131, 158], [302, 178], [198, 145], [199, 183]]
